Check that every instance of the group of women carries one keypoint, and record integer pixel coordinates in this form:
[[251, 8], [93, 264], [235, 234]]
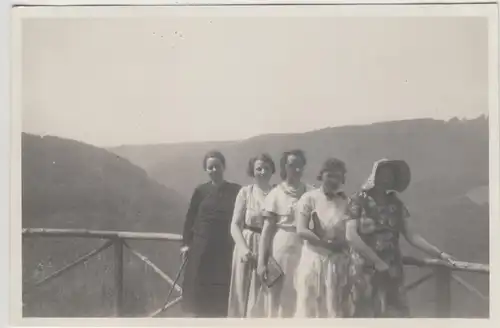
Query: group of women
[[337, 256]]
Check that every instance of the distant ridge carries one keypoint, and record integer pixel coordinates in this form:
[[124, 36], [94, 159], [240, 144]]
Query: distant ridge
[[69, 184], [452, 146]]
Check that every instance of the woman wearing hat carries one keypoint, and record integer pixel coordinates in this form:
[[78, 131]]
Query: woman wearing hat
[[322, 272], [376, 218]]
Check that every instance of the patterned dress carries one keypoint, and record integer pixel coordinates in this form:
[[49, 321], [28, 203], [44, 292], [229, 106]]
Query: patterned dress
[[322, 274], [373, 294]]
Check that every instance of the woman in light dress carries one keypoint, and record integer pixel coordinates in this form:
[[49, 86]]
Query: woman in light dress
[[279, 236], [246, 297], [322, 273]]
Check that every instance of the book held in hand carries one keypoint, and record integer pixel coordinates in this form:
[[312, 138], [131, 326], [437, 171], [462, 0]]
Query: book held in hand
[[274, 272]]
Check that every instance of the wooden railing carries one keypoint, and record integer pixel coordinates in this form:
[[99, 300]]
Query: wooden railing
[[119, 240], [441, 271]]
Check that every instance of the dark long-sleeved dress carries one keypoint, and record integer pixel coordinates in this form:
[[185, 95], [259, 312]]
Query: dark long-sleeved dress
[[207, 275]]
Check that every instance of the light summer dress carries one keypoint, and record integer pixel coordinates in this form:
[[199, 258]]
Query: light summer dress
[[322, 274], [286, 247], [246, 296]]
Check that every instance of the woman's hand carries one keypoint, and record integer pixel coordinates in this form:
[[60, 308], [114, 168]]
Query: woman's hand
[[262, 271], [317, 227], [447, 257], [184, 253], [248, 257]]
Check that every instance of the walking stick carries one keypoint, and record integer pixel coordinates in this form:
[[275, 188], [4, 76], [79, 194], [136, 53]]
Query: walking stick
[[183, 264]]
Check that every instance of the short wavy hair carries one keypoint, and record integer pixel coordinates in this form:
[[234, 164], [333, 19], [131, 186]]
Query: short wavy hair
[[330, 165], [266, 158], [214, 154], [284, 157]]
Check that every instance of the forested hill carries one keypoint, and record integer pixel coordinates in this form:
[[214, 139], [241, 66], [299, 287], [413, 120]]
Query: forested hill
[[68, 184], [454, 151]]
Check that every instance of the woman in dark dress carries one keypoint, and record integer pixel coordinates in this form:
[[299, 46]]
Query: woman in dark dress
[[207, 243]]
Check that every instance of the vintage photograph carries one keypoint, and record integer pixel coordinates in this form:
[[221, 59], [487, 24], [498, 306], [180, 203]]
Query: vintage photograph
[[254, 162]]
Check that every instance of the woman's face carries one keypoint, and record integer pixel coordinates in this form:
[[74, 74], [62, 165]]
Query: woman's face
[[385, 178], [332, 180], [215, 169], [294, 167], [262, 171]]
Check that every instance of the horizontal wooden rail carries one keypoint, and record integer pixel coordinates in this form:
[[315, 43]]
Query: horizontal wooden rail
[[118, 239], [455, 266], [100, 234], [440, 270], [105, 234]]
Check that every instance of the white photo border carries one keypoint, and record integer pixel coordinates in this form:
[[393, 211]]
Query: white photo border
[[55, 8]]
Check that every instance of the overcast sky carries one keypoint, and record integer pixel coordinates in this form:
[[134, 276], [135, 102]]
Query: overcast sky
[[134, 81]]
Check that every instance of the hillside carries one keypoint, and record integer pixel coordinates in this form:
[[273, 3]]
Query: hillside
[[67, 184], [449, 150], [449, 162]]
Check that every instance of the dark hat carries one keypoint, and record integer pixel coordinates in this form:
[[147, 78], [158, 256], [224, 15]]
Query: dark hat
[[402, 174]]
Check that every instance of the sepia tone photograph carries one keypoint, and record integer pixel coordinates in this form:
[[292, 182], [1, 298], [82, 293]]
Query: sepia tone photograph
[[264, 162]]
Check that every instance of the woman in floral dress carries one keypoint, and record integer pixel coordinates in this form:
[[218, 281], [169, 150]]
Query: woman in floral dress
[[376, 218]]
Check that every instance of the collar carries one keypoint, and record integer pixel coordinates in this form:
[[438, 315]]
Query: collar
[[294, 192], [339, 193]]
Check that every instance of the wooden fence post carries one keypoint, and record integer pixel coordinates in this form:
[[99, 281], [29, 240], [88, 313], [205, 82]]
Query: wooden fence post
[[118, 271], [443, 292]]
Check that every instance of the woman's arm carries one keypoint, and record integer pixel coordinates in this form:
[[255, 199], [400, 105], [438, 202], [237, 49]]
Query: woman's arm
[[417, 241], [304, 212], [187, 234], [238, 221], [268, 231], [359, 245], [305, 233]]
